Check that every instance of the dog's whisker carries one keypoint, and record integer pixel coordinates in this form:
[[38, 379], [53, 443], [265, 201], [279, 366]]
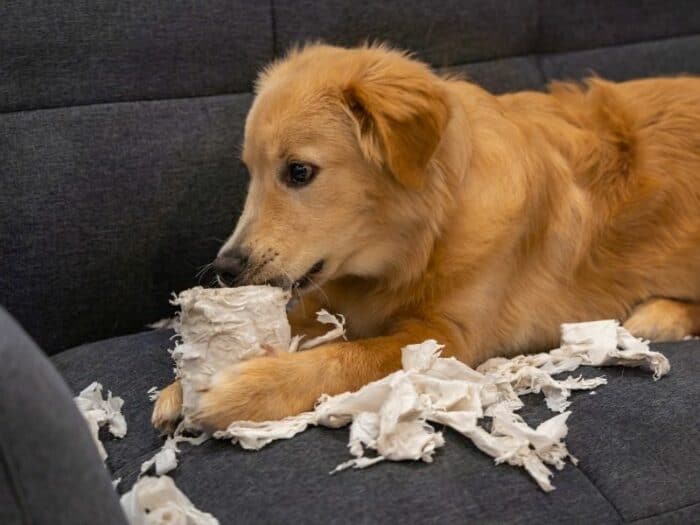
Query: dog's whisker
[[321, 291], [285, 272], [295, 290], [300, 299], [214, 239], [203, 271], [249, 273]]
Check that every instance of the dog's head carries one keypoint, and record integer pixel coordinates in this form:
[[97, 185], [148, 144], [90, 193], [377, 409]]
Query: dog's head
[[336, 143]]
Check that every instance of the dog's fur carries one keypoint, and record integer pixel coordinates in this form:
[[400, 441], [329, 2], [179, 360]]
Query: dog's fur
[[442, 211]]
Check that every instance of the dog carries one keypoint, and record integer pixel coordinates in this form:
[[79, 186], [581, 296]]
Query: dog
[[422, 206]]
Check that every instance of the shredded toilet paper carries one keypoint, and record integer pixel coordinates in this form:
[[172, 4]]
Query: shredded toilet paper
[[165, 459], [390, 417], [153, 393], [157, 501], [99, 411], [338, 331], [603, 343], [151, 501]]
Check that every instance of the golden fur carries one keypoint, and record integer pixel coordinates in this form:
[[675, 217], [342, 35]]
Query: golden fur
[[443, 211]]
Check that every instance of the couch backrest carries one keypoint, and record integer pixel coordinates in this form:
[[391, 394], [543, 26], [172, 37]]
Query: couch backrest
[[120, 123]]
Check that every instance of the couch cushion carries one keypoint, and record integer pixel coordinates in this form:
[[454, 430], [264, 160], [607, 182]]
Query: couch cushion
[[636, 440], [454, 32], [571, 24], [672, 56], [504, 75], [106, 209], [78, 52], [448, 33]]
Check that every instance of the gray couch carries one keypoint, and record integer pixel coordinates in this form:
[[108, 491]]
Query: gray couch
[[120, 123]]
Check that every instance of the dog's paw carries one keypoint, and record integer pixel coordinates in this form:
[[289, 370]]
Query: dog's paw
[[168, 408], [262, 389], [660, 320]]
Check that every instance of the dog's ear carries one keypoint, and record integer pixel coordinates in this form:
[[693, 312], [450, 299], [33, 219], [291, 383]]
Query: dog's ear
[[402, 111]]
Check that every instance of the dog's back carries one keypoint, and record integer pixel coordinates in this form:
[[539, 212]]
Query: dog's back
[[611, 214], [646, 180]]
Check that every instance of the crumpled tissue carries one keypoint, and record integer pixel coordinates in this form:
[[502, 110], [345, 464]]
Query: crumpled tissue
[[165, 459], [157, 501], [151, 501], [99, 411]]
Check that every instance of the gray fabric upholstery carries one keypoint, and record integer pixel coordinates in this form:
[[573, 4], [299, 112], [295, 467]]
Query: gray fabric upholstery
[[78, 52], [453, 33], [50, 472], [568, 26], [478, 30], [111, 197], [636, 440], [625, 62], [665, 57], [106, 209]]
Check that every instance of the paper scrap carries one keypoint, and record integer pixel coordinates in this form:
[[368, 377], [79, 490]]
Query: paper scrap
[[165, 460], [605, 343], [157, 501], [153, 393], [253, 435], [99, 411], [151, 501], [322, 316], [163, 324]]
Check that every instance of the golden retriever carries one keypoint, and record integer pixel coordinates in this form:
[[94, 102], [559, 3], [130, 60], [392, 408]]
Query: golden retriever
[[425, 207]]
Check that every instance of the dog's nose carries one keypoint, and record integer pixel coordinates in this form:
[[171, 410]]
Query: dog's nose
[[229, 266]]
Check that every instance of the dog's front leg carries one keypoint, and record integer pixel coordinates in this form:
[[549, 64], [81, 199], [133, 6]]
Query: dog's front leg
[[167, 409], [274, 387]]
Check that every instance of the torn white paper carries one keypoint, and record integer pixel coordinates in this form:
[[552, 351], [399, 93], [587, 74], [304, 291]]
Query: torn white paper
[[99, 411], [390, 417], [157, 501], [165, 459], [606, 343], [322, 316], [162, 324], [153, 393], [253, 435]]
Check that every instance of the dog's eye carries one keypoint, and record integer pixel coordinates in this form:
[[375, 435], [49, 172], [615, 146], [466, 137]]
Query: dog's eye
[[299, 174]]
